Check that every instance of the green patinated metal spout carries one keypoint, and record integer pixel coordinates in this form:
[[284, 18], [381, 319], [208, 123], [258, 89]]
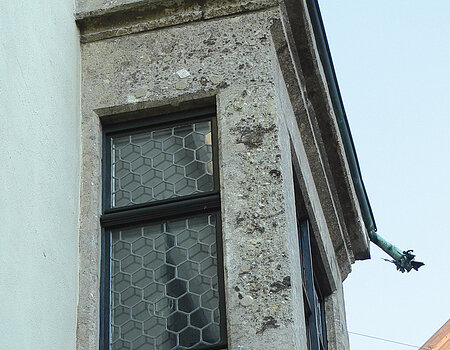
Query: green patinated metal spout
[[403, 260]]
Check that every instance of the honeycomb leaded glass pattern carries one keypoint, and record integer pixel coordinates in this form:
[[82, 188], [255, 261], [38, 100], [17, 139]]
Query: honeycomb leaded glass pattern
[[161, 164], [164, 285]]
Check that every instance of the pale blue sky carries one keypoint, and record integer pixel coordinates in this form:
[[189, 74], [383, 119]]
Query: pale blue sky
[[392, 60]]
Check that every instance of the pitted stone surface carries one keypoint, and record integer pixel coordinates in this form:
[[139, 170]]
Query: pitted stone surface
[[254, 217], [217, 54], [102, 19]]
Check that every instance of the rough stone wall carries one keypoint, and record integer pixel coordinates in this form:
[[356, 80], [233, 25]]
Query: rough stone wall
[[337, 334], [229, 58], [334, 303]]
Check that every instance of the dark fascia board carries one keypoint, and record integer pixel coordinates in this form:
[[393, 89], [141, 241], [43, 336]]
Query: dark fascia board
[[338, 106]]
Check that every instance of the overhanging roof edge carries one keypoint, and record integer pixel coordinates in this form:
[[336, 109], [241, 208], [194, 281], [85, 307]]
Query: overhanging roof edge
[[338, 106]]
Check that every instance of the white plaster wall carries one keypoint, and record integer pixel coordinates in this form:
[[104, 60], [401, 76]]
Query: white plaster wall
[[39, 174]]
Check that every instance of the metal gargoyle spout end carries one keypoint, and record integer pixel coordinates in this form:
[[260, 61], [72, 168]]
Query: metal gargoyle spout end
[[404, 261]]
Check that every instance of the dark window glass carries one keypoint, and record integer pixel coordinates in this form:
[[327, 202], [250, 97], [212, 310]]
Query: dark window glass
[[162, 279], [164, 284], [312, 295], [161, 163], [314, 308]]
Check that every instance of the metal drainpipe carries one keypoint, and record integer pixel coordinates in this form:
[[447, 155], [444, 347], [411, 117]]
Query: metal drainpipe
[[403, 260]]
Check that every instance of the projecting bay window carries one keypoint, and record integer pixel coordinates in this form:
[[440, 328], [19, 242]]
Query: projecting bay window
[[162, 275]]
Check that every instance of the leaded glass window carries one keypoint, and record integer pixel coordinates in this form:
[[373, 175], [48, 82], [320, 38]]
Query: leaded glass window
[[161, 163], [313, 298], [162, 280]]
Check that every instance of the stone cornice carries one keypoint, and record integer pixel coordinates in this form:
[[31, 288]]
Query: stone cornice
[[102, 21], [301, 39]]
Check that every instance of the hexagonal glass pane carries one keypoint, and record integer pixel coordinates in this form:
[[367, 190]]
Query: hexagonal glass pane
[[165, 307], [188, 303], [175, 227], [207, 234], [208, 267], [142, 278], [141, 194], [155, 326], [121, 345], [142, 311], [164, 242], [204, 154], [142, 246], [121, 168], [187, 270], [187, 238], [198, 252], [199, 285], [120, 282], [141, 165], [177, 322], [205, 183], [143, 343], [164, 274], [151, 148], [176, 255], [153, 230], [161, 163], [166, 341], [152, 178], [173, 174], [120, 249], [129, 182], [195, 170], [210, 300], [176, 288], [120, 315], [131, 296], [131, 263], [173, 144], [154, 292], [194, 141], [131, 330], [130, 152], [164, 190], [203, 127], [153, 260], [201, 318], [185, 187], [189, 337], [182, 157], [211, 334]]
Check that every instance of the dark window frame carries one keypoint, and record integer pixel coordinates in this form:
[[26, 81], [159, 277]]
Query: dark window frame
[[138, 214], [314, 289]]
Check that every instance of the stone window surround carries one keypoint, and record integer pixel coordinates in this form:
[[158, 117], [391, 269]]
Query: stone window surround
[[189, 204]]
